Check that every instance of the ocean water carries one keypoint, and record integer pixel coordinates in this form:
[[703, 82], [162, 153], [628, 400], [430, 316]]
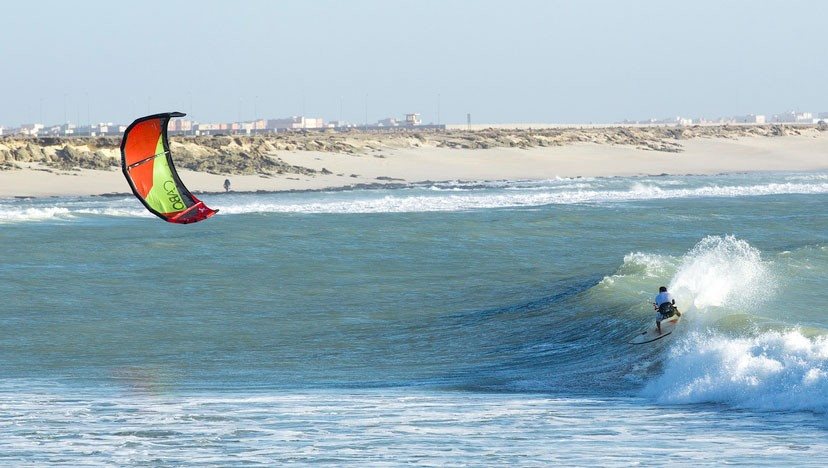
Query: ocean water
[[437, 324]]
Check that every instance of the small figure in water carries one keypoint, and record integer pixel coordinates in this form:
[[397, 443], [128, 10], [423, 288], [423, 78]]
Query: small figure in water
[[226, 185], [665, 306]]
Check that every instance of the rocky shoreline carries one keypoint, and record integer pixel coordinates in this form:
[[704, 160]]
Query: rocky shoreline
[[259, 155]]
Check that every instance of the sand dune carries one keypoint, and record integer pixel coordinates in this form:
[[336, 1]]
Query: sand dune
[[331, 160]]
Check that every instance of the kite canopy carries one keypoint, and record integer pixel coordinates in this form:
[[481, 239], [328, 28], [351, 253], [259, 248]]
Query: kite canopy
[[148, 167]]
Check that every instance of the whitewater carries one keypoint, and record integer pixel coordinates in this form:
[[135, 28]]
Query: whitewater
[[458, 323]]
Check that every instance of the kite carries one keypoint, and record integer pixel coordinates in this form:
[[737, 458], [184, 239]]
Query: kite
[[148, 167]]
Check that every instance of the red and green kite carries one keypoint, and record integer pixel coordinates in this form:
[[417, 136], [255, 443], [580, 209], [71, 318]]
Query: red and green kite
[[148, 167]]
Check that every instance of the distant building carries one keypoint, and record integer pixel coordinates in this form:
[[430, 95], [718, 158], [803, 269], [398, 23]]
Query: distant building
[[340, 124], [31, 129], [66, 129], [750, 118], [180, 126], [794, 117], [209, 128], [413, 119], [785, 117], [295, 123], [107, 128], [388, 122], [806, 117]]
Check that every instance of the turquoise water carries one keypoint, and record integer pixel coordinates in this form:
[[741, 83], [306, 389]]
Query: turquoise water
[[447, 323]]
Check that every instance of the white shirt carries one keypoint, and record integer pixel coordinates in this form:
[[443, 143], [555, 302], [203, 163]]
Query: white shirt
[[662, 298]]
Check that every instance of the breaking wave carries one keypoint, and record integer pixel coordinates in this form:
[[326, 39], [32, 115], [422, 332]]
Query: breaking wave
[[718, 359], [778, 370]]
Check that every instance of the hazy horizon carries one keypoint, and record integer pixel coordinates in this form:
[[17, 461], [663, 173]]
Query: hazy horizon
[[525, 61]]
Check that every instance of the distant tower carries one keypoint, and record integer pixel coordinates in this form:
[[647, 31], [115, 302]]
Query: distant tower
[[468, 121]]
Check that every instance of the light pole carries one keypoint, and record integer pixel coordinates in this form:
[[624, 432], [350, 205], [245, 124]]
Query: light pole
[[438, 108]]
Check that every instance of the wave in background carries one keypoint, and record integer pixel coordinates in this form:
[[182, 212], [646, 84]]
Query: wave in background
[[435, 197]]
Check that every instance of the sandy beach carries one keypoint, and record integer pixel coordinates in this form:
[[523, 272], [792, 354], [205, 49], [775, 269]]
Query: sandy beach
[[400, 159]]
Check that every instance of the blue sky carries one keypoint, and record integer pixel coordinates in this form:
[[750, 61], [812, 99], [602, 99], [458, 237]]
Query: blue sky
[[501, 61]]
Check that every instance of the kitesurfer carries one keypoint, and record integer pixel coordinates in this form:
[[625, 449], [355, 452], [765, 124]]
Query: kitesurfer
[[665, 306], [226, 185]]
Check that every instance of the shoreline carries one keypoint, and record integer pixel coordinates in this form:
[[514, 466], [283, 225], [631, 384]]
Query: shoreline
[[389, 166], [393, 186]]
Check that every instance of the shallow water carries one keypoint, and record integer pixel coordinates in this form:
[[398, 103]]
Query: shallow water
[[447, 323]]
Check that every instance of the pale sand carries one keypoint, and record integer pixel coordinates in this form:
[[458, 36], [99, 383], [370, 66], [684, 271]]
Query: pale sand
[[701, 156]]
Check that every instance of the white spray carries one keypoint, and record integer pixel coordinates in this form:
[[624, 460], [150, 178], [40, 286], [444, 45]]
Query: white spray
[[772, 370]]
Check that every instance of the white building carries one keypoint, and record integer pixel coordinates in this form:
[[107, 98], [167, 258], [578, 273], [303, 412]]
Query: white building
[[794, 117], [32, 129], [413, 119], [107, 128], [805, 117], [295, 123]]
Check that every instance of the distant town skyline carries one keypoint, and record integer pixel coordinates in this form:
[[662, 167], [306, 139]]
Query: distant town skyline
[[502, 62], [187, 125]]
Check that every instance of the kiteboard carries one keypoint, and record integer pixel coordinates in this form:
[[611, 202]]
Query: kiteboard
[[652, 334]]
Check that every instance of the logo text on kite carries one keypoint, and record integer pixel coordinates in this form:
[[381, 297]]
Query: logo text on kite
[[169, 186]]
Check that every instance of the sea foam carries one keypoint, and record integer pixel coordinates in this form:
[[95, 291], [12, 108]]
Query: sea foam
[[424, 200], [771, 371], [16, 214]]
